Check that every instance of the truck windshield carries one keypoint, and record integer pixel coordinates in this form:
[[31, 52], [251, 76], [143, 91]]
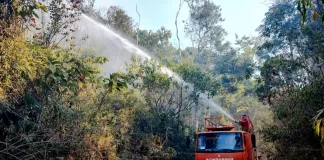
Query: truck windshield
[[220, 142]]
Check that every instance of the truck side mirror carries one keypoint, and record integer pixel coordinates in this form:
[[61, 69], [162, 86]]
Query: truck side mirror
[[253, 140]]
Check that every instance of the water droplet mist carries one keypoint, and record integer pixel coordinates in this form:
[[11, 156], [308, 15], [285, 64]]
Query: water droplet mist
[[104, 41]]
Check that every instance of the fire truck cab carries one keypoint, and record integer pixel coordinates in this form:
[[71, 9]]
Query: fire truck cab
[[219, 142]]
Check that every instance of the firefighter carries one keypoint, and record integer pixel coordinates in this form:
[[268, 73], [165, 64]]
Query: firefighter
[[244, 122]]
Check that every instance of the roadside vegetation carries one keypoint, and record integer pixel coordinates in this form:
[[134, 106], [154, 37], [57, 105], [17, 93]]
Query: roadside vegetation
[[55, 103]]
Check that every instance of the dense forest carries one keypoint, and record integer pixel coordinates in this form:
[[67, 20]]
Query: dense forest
[[56, 104]]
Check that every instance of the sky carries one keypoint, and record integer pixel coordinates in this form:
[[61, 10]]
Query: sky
[[242, 17]]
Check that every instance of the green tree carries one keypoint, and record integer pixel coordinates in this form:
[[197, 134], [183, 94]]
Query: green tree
[[167, 102], [154, 41], [316, 6], [291, 71], [59, 27], [292, 117], [202, 81], [203, 26], [118, 19], [291, 53], [43, 89]]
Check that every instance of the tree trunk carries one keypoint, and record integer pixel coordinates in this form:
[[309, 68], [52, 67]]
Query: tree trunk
[[180, 106], [176, 24], [139, 22]]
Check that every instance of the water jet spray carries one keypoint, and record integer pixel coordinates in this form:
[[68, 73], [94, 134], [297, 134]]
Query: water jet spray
[[104, 41]]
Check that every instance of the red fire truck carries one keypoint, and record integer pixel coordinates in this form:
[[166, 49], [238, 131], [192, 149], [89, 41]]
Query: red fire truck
[[220, 142]]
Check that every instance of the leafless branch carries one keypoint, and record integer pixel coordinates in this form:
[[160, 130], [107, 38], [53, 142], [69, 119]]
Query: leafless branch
[[159, 99], [9, 155], [139, 22], [171, 98], [176, 24]]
